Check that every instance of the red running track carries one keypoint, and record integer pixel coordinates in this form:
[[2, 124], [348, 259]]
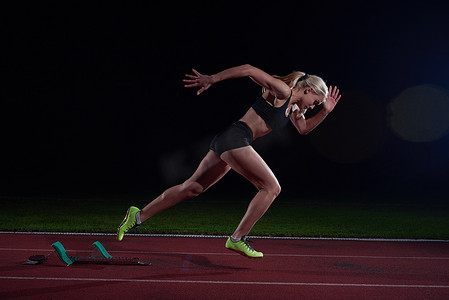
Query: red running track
[[201, 268]]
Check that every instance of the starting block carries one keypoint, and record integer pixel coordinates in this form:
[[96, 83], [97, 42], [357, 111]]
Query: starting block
[[98, 256]]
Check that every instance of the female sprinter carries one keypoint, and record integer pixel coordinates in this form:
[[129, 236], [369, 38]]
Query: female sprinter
[[283, 99]]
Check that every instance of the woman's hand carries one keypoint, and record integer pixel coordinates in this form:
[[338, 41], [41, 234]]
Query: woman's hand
[[332, 99], [200, 80]]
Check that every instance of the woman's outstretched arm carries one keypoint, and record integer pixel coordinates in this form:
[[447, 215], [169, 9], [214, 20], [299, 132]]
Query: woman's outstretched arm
[[275, 86]]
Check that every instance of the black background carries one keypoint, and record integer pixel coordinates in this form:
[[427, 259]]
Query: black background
[[94, 99]]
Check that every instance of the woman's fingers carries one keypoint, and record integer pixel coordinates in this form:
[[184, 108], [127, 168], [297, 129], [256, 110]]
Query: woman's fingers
[[198, 80], [190, 81], [333, 92], [192, 85], [336, 91]]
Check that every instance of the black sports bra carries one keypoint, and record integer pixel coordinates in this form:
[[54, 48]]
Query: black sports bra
[[273, 116]]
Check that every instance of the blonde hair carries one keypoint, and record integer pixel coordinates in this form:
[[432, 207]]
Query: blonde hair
[[298, 79]]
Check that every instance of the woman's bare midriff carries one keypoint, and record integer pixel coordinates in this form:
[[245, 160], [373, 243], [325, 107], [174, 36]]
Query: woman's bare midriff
[[256, 123]]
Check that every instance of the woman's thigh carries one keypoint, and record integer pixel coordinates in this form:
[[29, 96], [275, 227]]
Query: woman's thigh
[[247, 162], [210, 170]]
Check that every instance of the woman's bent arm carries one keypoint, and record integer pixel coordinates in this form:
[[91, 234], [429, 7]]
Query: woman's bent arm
[[305, 126]]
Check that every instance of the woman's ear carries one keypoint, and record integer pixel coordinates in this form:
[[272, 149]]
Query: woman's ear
[[308, 90]]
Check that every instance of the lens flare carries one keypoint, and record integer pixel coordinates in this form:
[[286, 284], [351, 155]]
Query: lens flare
[[420, 113]]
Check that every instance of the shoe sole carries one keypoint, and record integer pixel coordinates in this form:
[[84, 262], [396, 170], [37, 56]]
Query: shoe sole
[[244, 254], [121, 224]]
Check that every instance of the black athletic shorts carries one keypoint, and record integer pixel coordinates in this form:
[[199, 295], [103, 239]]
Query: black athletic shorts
[[235, 136]]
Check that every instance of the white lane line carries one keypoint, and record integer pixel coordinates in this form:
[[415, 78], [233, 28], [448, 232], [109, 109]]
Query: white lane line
[[360, 256], [230, 282], [230, 254], [225, 236]]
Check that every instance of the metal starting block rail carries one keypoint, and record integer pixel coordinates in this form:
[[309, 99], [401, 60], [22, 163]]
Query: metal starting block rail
[[99, 256]]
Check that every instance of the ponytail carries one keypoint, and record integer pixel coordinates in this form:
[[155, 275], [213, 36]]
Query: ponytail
[[303, 80]]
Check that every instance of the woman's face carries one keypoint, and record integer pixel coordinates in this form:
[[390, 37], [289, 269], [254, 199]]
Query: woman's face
[[308, 99]]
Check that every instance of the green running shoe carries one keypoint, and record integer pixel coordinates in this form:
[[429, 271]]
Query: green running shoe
[[242, 247], [129, 222]]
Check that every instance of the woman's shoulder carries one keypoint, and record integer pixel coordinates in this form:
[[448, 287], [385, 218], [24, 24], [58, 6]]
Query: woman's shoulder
[[272, 100]]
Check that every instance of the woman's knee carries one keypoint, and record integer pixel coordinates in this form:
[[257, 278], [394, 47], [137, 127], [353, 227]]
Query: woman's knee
[[273, 188], [276, 189], [191, 189]]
